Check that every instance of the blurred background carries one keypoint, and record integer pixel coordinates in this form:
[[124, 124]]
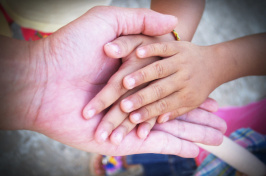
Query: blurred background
[[29, 153]]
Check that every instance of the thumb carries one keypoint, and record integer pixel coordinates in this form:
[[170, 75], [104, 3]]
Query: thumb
[[144, 21], [209, 105], [125, 21]]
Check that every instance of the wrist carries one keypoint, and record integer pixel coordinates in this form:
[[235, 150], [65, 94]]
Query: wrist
[[21, 87], [214, 65], [222, 68], [168, 37]]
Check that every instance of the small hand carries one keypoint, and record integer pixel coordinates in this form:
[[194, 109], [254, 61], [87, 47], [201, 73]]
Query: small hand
[[116, 119], [181, 81]]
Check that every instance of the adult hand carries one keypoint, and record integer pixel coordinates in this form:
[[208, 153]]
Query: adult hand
[[65, 70]]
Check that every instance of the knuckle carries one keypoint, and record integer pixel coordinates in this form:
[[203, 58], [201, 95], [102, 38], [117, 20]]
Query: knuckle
[[124, 128], [164, 47], [162, 106], [146, 111], [123, 44], [189, 98], [140, 98], [107, 124], [143, 75], [158, 69], [158, 91], [181, 129], [117, 87], [152, 48], [101, 104]]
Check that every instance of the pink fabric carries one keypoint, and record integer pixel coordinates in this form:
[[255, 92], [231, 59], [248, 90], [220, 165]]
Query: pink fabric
[[250, 116]]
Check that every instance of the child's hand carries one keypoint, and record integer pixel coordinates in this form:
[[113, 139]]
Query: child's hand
[[116, 119], [184, 79], [114, 90]]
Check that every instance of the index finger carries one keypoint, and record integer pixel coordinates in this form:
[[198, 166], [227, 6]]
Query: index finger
[[163, 49]]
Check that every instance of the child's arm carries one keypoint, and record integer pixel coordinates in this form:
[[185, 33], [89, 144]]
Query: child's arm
[[190, 74], [188, 13]]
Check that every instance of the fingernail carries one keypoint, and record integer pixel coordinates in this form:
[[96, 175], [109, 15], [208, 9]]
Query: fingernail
[[141, 52], [114, 47], [136, 117], [165, 119], [128, 105], [91, 113], [104, 136], [130, 82], [145, 134], [118, 138]]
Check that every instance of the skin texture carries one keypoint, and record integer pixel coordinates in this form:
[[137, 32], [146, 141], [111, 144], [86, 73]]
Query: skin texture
[[181, 84], [189, 14], [189, 83], [193, 81], [119, 127], [45, 85]]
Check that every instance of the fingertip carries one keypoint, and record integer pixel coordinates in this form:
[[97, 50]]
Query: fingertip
[[163, 25], [116, 138], [129, 82], [164, 118], [112, 50], [219, 140], [101, 136], [126, 105], [223, 127], [135, 118], [141, 52], [214, 106], [191, 150], [143, 134], [195, 151], [89, 113], [210, 105], [102, 132], [175, 19], [143, 130]]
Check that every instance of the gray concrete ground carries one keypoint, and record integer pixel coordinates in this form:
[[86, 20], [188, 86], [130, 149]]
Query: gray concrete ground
[[29, 153]]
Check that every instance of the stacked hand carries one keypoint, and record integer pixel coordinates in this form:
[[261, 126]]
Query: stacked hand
[[149, 102], [74, 68]]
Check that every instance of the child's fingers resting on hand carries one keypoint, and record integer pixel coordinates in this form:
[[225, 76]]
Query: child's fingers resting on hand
[[121, 47], [181, 82], [117, 125], [115, 119]]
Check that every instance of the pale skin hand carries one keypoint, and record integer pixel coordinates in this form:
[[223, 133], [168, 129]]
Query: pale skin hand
[[45, 85]]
